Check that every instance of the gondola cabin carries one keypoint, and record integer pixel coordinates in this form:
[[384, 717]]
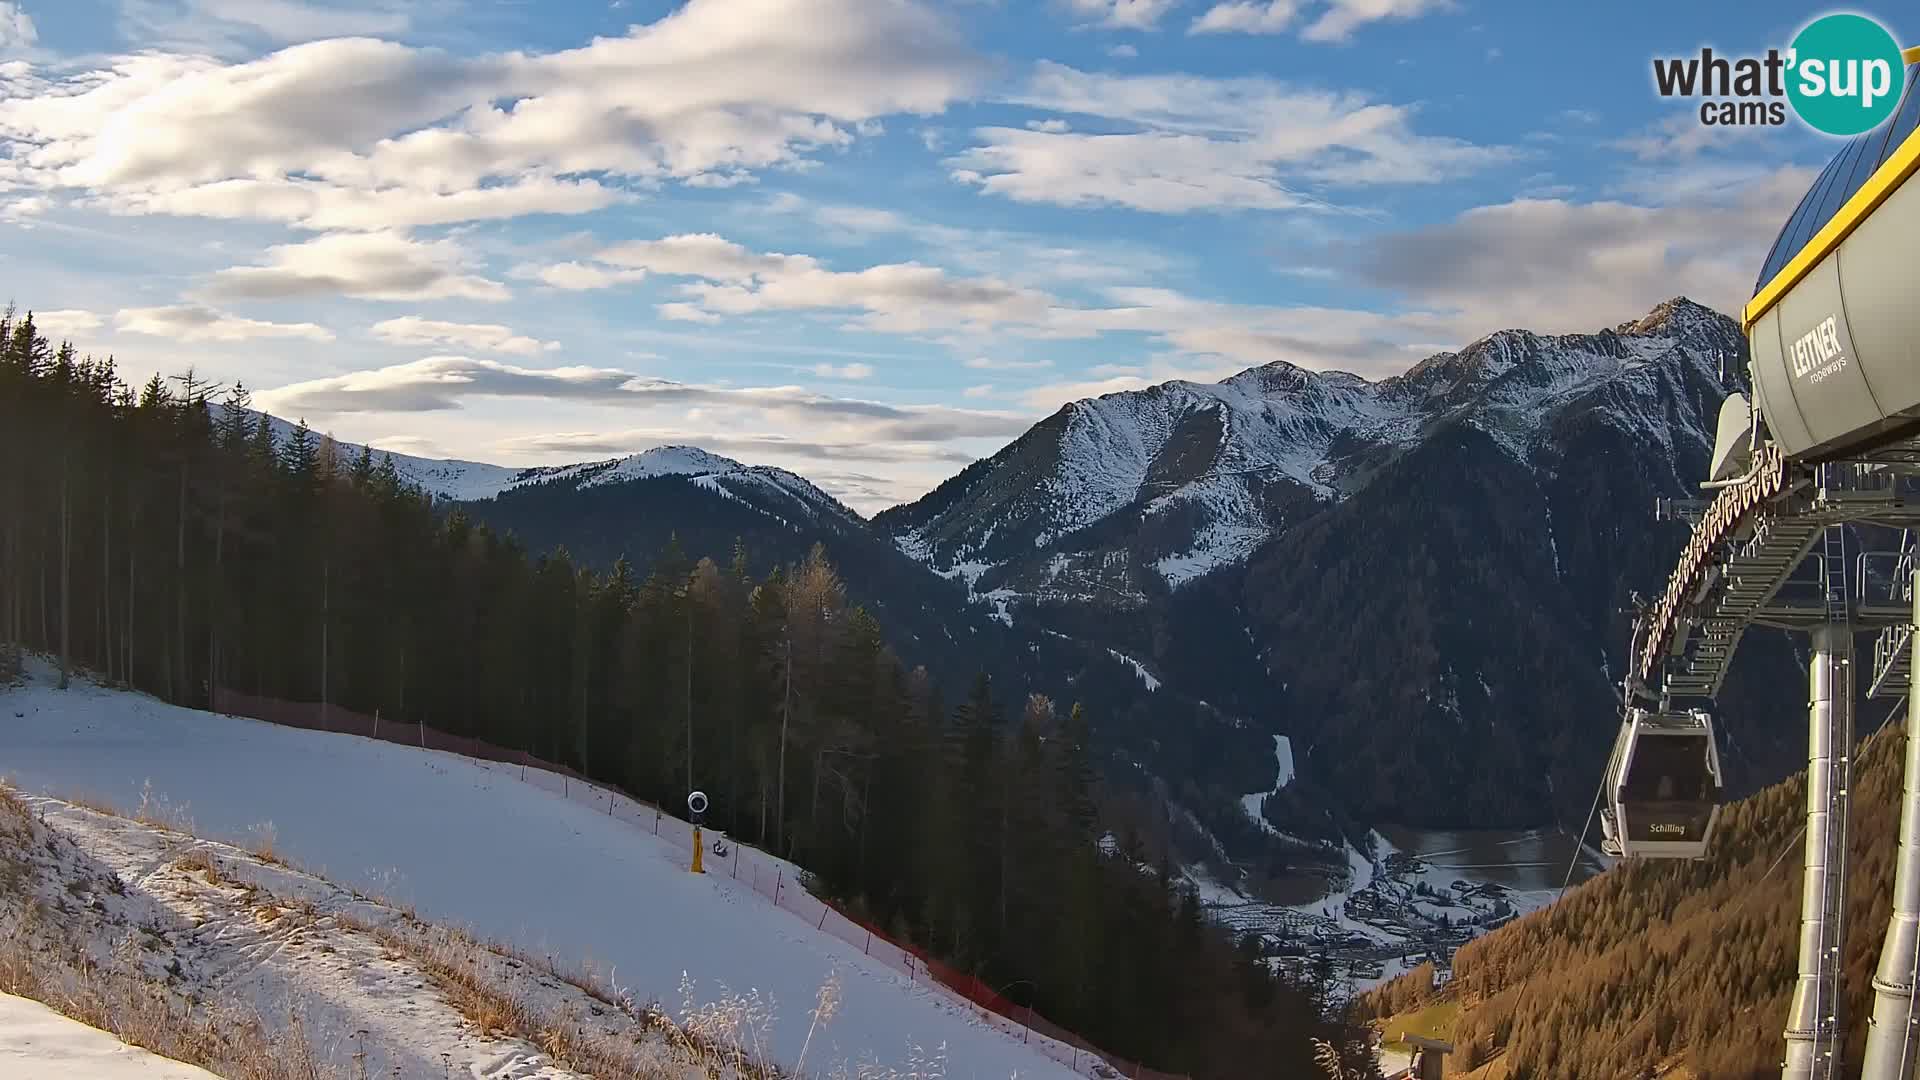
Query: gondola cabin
[[1664, 786]]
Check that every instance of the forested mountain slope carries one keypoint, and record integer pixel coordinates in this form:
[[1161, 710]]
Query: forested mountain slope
[[1421, 577], [172, 551], [1661, 964]]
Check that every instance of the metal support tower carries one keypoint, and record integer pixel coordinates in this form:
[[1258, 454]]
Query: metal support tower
[[1893, 1043], [1815, 1021]]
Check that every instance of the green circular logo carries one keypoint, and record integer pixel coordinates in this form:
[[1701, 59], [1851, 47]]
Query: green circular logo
[[1845, 74]]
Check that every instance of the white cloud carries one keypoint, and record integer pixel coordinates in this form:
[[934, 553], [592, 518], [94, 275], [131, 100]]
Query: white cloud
[[576, 276], [318, 205], [444, 383], [191, 322], [1559, 266], [356, 132], [369, 266], [983, 390], [438, 383], [1336, 22], [64, 324], [1681, 137], [1205, 144], [994, 363], [1122, 52], [896, 297], [705, 255], [1122, 14], [1023, 258], [16, 27], [1055, 126], [485, 337], [1343, 17], [1247, 17], [844, 371]]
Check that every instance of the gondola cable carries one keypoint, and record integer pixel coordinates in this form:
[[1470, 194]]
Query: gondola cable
[[1580, 838]]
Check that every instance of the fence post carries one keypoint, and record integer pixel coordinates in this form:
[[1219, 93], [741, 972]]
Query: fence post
[[776, 885], [656, 821], [868, 948], [822, 924]]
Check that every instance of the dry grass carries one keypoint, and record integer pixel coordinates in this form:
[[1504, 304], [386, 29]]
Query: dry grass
[[97, 805], [262, 846], [38, 961], [201, 859], [725, 1038], [12, 805]]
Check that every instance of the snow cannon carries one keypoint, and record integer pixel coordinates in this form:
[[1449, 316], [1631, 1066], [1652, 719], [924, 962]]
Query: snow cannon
[[1833, 324], [697, 807]]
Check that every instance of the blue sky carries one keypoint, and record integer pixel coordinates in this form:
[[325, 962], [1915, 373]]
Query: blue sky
[[868, 240]]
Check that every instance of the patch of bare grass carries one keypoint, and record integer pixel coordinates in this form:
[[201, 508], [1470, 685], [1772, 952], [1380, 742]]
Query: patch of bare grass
[[142, 1009]]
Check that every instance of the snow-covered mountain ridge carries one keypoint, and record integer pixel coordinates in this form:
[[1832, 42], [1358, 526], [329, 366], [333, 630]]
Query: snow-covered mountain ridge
[[1181, 479], [775, 492]]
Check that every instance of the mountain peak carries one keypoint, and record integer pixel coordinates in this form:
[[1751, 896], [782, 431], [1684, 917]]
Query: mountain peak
[[1679, 314]]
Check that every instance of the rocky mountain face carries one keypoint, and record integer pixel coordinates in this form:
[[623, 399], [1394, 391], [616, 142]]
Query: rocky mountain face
[[1420, 580]]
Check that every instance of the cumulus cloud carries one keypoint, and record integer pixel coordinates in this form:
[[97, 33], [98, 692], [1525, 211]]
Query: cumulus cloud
[[1337, 21], [1246, 17], [65, 323], [1122, 14], [369, 266], [1204, 144], [576, 276], [1343, 17], [191, 322], [357, 132], [485, 337], [983, 390]]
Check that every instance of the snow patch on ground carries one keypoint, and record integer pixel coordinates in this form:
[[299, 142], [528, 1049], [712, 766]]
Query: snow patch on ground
[[1218, 545], [37, 1042], [1138, 669], [1283, 757]]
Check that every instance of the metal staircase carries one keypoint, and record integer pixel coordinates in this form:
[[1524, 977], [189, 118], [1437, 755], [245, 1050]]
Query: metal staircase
[[1892, 650]]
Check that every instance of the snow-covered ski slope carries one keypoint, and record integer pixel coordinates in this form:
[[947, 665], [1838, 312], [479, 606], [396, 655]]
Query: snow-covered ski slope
[[482, 849]]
